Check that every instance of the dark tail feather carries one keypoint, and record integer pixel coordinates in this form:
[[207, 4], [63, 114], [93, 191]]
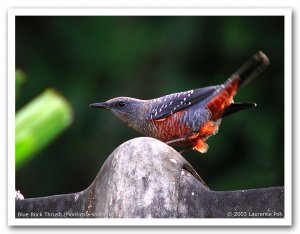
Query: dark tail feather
[[252, 68], [235, 107]]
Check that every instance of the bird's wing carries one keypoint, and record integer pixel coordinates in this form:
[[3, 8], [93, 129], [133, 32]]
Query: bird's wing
[[170, 104]]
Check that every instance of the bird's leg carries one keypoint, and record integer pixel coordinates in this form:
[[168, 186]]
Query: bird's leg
[[179, 140], [176, 140], [184, 151]]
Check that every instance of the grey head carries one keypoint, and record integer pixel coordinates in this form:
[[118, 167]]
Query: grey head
[[130, 110]]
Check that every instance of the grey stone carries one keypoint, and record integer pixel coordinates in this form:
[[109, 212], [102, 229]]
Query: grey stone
[[145, 178]]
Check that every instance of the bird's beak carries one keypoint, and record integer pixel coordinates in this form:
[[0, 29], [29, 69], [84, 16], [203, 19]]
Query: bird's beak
[[101, 105]]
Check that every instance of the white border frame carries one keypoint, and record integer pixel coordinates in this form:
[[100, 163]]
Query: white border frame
[[286, 221]]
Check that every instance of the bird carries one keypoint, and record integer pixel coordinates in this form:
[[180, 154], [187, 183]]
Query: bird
[[187, 118]]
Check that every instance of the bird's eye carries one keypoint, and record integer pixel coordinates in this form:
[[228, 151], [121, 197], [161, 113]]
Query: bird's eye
[[121, 104]]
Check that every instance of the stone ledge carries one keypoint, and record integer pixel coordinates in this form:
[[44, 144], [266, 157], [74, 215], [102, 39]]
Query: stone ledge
[[145, 178]]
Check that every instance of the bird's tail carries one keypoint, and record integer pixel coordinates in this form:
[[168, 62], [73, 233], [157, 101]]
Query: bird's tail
[[245, 74], [251, 68], [235, 107]]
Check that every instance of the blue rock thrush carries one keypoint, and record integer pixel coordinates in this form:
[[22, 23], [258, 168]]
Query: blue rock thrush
[[187, 118]]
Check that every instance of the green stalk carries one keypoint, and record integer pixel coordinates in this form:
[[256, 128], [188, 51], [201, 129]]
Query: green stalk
[[39, 122]]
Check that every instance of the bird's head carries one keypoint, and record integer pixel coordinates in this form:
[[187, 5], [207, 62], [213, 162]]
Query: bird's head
[[125, 108]]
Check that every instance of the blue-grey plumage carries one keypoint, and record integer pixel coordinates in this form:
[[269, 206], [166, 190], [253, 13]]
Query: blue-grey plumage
[[167, 105], [190, 117]]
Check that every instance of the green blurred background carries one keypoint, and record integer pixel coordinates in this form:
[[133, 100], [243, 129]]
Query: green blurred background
[[91, 59]]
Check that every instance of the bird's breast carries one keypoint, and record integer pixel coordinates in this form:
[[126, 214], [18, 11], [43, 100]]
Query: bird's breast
[[182, 124]]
